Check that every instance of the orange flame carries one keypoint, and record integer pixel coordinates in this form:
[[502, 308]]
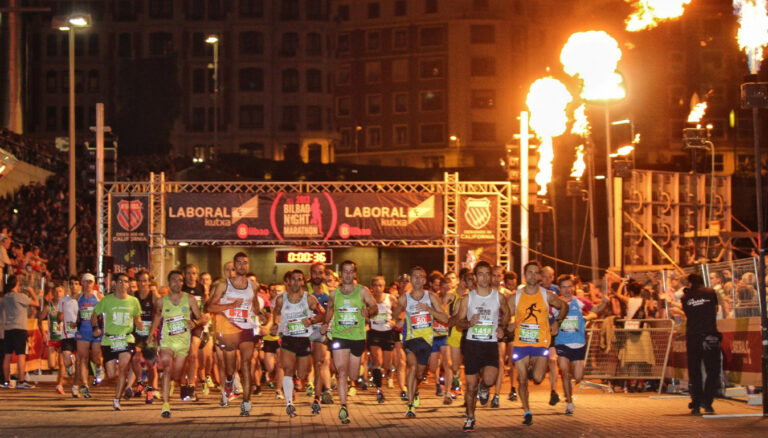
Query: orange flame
[[697, 112], [579, 165], [593, 57], [753, 30], [648, 13]]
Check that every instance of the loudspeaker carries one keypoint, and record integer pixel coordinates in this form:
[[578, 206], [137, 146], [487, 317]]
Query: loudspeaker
[[108, 264]]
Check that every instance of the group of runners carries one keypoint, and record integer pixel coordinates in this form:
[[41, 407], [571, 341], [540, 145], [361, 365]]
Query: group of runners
[[322, 333]]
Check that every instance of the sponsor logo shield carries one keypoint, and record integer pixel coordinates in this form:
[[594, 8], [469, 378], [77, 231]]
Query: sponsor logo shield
[[129, 214], [477, 212]]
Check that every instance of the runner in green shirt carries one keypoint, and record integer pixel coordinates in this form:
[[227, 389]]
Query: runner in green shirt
[[122, 313]]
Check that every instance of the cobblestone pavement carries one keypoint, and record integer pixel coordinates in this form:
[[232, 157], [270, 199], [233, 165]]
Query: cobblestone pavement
[[41, 412]]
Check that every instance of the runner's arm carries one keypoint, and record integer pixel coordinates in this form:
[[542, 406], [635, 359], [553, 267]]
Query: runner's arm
[[399, 308], [437, 310], [198, 318], [459, 318], [276, 309], [315, 306], [157, 315], [214, 303], [370, 305], [329, 308], [255, 307]]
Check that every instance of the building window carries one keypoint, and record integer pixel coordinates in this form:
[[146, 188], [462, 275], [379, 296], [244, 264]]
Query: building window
[[480, 5], [251, 79], [373, 104], [93, 81], [400, 135], [50, 81], [290, 119], [289, 10], [314, 81], [315, 10], [400, 70], [430, 7], [431, 100], [251, 9], [345, 142], [342, 13], [343, 106], [195, 10], [373, 72], [482, 34], [431, 36], [160, 43], [79, 81], [251, 43], [251, 117], [64, 118], [290, 80], [79, 45], [342, 43], [200, 47], [432, 133], [314, 44], [373, 137], [400, 39], [124, 10], [290, 44], [93, 45], [314, 118], [482, 131], [160, 8], [198, 81], [373, 40], [255, 150], [342, 74], [50, 44], [483, 99], [431, 69], [124, 45], [50, 118], [400, 103], [483, 66], [65, 81], [198, 119], [374, 10], [400, 9]]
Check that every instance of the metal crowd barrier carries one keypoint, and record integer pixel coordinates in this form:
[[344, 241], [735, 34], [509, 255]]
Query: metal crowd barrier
[[619, 349]]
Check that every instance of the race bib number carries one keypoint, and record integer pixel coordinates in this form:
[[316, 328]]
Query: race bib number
[[145, 331], [118, 342], [529, 333], [421, 320], [440, 328], [570, 324], [176, 325], [238, 314], [296, 327], [348, 316], [70, 329], [86, 313], [380, 320], [482, 331]]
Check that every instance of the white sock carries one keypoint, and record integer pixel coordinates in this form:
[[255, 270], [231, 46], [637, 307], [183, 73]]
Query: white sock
[[288, 389]]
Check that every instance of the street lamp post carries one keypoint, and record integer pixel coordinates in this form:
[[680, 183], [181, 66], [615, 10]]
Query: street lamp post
[[69, 24], [214, 40]]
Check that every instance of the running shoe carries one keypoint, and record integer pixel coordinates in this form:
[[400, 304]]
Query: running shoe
[[447, 401], [483, 393], [128, 393], [416, 400], [166, 412], [290, 410], [512, 394], [380, 396], [192, 394], [140, 386], [74, 391], [528, 419], [495, 401], [238, 389], [315, 407], [271, 385], [224, 400], [390, 383], [24, 385], [71, 370], [310, 390], [150, 396], [99, 376], [205, 389], [708, 409], [184, 393], [344, 415], [403, 396], [209, 382], [256, 389], [439, 390], [279, 395], [60, 389], [116, 404], [327, 398], [411, 411], [6, 385], [352, 391], [85, 392], [469, 424], [569, 409], [245, 409], [553, 398], [173, 387], [455, 384]]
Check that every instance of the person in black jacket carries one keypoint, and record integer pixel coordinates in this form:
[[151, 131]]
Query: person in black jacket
[[702, 342]]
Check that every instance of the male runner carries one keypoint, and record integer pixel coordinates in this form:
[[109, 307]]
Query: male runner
[[145, 354], [403, 284], [348, 306], [271, 346], [236, 306], [68, 315], [321, 357], [293, 314], [571, 342], [381, 334], [54, 334], [88, 345], [421, 308], [177, 315], [440, 359], [478, 314], [548, 283], [497, 275], [121, 313], [510, 282], [455, 336], [195, 288], [533, 332]]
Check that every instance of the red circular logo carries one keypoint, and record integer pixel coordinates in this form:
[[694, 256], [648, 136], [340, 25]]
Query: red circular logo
[[344, 231], [242, 231]]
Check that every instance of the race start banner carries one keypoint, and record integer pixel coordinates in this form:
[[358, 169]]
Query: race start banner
[[130, 231], [477, 229], [285, 216]]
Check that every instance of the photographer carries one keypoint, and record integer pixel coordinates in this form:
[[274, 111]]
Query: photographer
[[702, 342]]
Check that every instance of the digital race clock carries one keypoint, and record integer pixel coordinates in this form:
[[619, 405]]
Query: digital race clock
[[303, 256]]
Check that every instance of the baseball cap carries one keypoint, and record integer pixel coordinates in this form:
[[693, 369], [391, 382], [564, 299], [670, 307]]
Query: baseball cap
[[88, 277]]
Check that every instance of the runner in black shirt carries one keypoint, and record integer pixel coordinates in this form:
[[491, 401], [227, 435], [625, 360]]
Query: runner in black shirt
[[194, 287]]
